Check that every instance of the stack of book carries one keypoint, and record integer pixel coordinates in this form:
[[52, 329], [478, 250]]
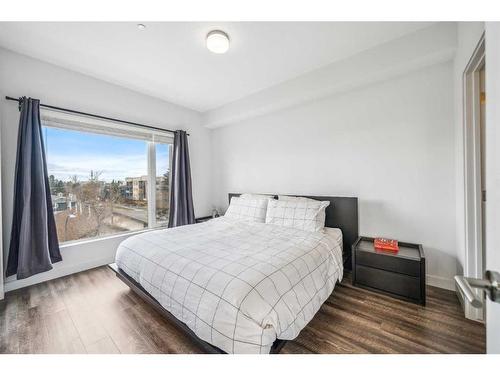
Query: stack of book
[[385, 244]]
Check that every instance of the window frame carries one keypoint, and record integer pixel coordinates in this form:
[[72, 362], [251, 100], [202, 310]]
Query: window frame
[[156, 137], [151, 186]]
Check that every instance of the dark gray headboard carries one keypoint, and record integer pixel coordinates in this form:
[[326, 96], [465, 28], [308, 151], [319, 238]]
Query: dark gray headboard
[[342, 213]]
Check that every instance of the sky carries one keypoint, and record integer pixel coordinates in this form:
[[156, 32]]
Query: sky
[[71, 153]]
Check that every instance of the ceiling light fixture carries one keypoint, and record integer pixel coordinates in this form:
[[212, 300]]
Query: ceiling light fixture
[[141, 26], [217, 41]]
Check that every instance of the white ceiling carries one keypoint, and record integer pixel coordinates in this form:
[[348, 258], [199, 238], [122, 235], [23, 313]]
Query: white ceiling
[[169, 60]]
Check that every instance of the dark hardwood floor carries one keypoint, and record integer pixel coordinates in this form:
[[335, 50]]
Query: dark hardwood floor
[[94, 312]]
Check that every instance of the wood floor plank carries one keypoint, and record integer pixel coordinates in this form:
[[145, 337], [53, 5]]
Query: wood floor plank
[[94, 312], [81, 308], [62, 335], [33, 337], [166, 337], [9, 341], [104, 346]]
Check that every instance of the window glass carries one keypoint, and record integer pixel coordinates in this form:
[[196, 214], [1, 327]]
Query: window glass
[[162, 183], [99, 183]]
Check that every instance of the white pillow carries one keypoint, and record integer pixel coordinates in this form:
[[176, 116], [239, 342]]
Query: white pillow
[[293, 198], [305, 214], [248, 209], [256, 196], [322, 214]]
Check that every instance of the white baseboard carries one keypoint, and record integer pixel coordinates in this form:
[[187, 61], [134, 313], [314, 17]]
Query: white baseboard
[[440, 282], [56, 273]]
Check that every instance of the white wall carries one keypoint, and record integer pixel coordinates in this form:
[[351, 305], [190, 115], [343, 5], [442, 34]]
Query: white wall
[[391, 144], [397, 57], [468, 36], [21, 75]]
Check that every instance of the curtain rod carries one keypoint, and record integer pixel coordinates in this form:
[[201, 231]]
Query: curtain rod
[[95, 116]]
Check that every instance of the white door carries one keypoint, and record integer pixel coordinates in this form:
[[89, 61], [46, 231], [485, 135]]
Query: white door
[[492, 37], [1, 251]]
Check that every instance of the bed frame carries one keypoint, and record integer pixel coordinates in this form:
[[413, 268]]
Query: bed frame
[[341, 213]]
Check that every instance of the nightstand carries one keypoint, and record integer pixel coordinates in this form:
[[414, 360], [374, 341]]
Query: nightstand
[[202, 219], [400, 275]]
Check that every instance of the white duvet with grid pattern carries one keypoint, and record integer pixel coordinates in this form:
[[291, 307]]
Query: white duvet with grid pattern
[[235, 284]]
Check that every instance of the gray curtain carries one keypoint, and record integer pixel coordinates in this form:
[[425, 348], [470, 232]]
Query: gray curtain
[[33, 240], [181, 196]]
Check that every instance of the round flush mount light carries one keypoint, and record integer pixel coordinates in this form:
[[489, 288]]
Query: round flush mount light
[[141, 26], [217, 41]]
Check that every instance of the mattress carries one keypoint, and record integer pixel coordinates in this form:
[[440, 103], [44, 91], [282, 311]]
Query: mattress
[[237, 285]]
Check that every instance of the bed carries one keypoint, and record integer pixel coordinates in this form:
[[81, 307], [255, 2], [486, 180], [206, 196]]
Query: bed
[[240, 287]]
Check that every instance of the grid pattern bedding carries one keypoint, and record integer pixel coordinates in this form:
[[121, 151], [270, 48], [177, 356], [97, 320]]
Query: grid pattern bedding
[[236, 284], [305, 214], [249, 209]]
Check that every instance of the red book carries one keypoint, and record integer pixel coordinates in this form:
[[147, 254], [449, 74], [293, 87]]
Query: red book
[[385, 244]]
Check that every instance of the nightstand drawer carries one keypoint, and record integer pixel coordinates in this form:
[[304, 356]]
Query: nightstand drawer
[[388, 263], [402, 285]]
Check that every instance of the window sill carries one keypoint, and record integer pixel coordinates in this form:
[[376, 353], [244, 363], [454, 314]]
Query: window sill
[[70, 244]]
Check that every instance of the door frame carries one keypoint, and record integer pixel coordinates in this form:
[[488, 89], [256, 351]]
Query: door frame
[[2, 282], [473, 263]]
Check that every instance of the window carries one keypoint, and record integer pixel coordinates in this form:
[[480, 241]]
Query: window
[[100, 174], [162, 182]]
